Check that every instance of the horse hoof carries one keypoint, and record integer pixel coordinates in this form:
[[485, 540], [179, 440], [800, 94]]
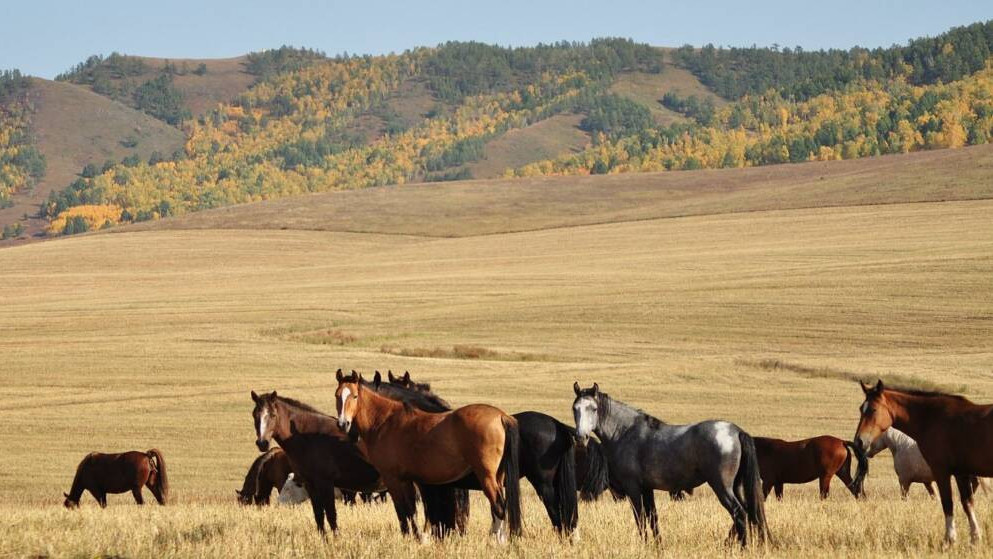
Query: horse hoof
[[574, 537]]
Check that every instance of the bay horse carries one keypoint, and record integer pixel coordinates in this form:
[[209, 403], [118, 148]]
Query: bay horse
[[321, 455], [817, 458], [645, 453], [408, 445], [269, 471], [955, 437], [547, 451], [101, 474]]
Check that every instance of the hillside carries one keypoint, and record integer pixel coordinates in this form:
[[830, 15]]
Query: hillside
[[648, 89], [72, 127], [472, 208]]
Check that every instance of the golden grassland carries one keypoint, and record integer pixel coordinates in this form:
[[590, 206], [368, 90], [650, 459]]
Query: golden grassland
[[154, 338]]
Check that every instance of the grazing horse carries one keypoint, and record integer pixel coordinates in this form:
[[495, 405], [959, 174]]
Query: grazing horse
[[955, 437], [269, 471], [547, 451], [408, 445], [803, 461], [319, 453], [908, 462], [101, 474], [645, 454]]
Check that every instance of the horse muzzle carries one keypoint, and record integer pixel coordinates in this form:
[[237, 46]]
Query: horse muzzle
[[344, 424], [263, 445]]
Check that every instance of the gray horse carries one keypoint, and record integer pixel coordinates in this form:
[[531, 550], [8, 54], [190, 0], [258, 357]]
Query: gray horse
[[644, 454], [908, 462]]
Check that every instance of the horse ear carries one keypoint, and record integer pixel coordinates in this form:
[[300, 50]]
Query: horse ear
[[377, 379], [338, 376], [273, 395], [255, 397], [879, 386], [575, 388], [596, 388], [406, 376], [389, 375]]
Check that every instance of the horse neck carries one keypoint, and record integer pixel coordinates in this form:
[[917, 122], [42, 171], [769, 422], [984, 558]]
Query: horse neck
[[374, 411], [76, 492], [617, 420], [913, 414], [304, 422]]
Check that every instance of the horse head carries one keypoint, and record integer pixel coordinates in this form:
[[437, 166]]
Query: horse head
[[875, 416], [346, 398], [69, 502], [585, 410], [267, 419]]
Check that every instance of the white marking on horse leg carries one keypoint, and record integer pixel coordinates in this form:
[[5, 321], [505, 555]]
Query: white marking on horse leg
[[722, 435], [974, 531], [496, 530], [950, 535], [574, 536]]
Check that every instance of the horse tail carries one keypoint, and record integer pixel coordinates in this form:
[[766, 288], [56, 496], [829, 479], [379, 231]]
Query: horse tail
[[597, 474], [510, 466], [749, 478], [858, 482], [565, 485], [161, 485]]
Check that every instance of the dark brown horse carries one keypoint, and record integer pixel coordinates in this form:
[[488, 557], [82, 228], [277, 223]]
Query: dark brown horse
[[269, 471], [818, 458], [955, 437], [409, 446], [320, 454], [101, 474]]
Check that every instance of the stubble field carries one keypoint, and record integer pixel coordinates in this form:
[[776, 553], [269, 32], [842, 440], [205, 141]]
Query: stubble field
[[155, 338]]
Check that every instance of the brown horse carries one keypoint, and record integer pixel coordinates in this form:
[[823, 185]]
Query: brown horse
[[955, 437], [803, 461], [269, 471], [101, 474], [411, 446], [319, 453]]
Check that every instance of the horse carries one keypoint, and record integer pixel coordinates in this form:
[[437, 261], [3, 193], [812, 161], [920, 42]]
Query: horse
[[269, 471], [908, 462], [803, 461], [319, 453], [408, 445], [645, 453], [101, 474], [293, 492], [547, 450], [954, 435]]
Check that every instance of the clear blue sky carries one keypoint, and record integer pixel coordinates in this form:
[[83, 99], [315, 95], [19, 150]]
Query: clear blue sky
[[43, 37]]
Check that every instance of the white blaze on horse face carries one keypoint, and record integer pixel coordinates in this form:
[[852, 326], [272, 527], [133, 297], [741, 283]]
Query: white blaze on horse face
[[263, 424], [723, 437], [343, 419], [586, 417]]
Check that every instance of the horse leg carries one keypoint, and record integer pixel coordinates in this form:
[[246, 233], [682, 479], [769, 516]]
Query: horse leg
[[944, 482], [825, 485], [930, 488], [965, 495], [330, 509], [492, 488], [317, 506], [905, 489], [648, 502], [638, 508], [845, 476], [136, 491], [101, 498], [725, 494], [779, 491], [405, 503], [545, 487]]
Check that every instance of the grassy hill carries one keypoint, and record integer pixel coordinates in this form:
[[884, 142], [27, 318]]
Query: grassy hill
[[648, 89], [73, 126], [470, 208], [746, 310]]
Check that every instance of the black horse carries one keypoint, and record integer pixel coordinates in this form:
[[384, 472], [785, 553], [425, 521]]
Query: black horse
[[547, 456]]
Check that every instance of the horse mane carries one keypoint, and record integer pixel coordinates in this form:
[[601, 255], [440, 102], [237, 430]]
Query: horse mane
[[605, 402], [926, 393], [426, 401], [300, 405]]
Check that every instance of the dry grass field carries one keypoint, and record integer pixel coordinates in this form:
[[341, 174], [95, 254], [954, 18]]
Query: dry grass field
[[154, 337]]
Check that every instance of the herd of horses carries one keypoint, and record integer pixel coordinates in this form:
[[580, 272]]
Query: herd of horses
[[399, 437]]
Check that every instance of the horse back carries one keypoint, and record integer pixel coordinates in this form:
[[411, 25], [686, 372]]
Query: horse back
[[117, 472]]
